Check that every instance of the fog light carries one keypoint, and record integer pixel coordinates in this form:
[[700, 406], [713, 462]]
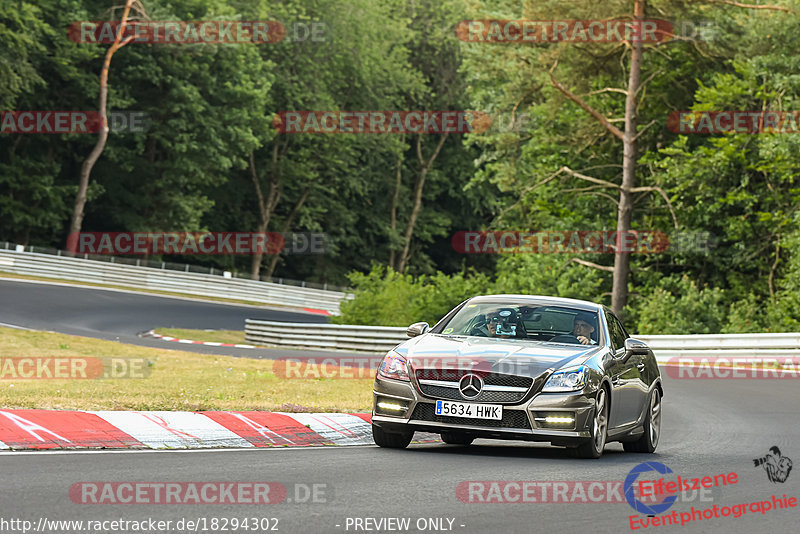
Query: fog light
[[562, 420], [393, 407], [556, 420]]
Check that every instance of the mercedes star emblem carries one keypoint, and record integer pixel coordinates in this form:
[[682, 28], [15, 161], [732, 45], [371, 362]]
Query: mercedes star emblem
[[470, 386]]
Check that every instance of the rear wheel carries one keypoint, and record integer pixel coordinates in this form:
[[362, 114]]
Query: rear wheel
[[391, 440], [454, 438], [593, 447], [652, 427]]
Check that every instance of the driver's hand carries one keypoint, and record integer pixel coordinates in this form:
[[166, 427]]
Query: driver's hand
[[584, 340]]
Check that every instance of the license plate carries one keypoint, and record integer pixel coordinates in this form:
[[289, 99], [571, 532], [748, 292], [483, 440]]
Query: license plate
[[473, 411]]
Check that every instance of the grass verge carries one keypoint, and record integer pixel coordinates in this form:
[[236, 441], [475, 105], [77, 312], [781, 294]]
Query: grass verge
[[177, 381]]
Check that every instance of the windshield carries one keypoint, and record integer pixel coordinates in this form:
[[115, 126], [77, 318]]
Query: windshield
[[552, 324]]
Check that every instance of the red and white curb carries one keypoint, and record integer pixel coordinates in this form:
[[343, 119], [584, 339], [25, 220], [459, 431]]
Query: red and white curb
[[152, 333], [56, 429], [318, 312]]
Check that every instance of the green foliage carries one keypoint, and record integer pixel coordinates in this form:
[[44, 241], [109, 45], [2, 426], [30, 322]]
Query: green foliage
[[385, 297], [746, 316], [549, 275], [682, 309], [783, 310], [20, 32], [212, 106]]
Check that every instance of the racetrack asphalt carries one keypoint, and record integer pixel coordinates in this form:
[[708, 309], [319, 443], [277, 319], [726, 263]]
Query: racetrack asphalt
[[122, 315], [710, 427]]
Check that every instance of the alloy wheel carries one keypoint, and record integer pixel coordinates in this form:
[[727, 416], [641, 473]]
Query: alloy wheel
[[655, 417], [600, 421]]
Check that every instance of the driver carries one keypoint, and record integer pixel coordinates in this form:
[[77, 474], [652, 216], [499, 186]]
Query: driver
[[582, 328], [502, 324]]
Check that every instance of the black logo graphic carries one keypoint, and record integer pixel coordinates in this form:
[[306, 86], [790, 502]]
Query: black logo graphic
[[777, 467]]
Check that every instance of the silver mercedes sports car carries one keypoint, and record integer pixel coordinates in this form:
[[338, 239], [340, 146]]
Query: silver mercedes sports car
[[520, 367]]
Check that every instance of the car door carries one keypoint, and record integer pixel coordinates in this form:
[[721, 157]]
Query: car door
[[639, 380], [626, 377]]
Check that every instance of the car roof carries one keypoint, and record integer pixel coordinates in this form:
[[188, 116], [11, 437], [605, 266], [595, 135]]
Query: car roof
[[584, 305]]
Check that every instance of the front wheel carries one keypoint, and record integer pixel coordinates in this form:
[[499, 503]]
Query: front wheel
[[391, 440], [593, 447], [652, 427]]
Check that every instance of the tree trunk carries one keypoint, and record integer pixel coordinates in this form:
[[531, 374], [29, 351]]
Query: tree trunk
[[266, 207], [286, 225], [619, 290], [393, 212], [412, 220], [86, 169]]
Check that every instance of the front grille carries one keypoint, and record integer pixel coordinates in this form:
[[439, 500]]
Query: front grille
[[489, 379], [501, 397], [511, 418]]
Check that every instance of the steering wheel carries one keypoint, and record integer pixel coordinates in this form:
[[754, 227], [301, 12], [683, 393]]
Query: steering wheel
[[480, 329]]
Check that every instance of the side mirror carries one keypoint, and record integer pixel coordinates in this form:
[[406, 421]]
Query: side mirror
[[417, 329], [635, 346]]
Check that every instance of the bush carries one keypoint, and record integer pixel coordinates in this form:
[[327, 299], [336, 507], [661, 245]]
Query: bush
[[384, 297], [548, 275], [679, 307], [745, 316], [779, 313]]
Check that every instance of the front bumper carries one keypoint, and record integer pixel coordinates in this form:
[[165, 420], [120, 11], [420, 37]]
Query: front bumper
[[523, 421]]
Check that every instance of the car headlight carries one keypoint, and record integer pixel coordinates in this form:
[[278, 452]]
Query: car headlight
[[394, 366], [567, 380]]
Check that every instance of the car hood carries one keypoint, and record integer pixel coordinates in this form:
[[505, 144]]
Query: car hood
[[519, 357]]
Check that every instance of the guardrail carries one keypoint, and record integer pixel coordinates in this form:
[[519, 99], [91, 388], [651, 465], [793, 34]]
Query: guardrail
[[171, 266], [724, 345], [372, 339], [379, 339], [140, 277]]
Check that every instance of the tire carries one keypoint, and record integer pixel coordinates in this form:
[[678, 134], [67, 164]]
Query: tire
[[391, 440], [593, 447], [454, 438], [652, 427]]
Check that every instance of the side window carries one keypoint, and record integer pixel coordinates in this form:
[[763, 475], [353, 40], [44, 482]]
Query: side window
[[616, 332], [622, 330]]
